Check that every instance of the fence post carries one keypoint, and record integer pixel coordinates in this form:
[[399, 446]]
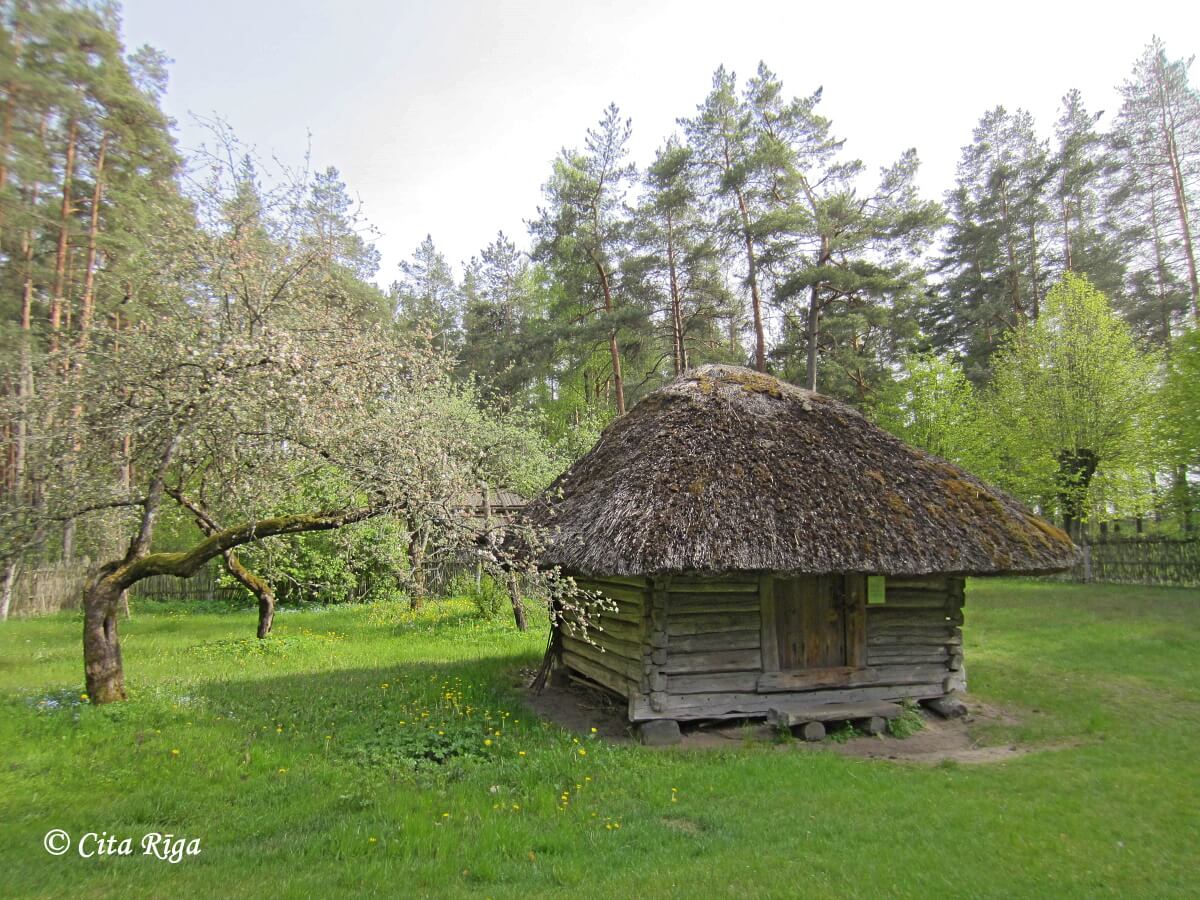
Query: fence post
[[1087, 562]]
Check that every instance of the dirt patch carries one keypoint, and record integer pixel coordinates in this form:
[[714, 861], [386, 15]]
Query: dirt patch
[[578, 709]]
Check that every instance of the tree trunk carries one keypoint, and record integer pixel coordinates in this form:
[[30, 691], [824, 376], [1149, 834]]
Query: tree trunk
[[89, 279], [760, 337], [58, 300], [680, 355], [1167, 121], [1075, 471], [101, 646], [613, 349], [103, 671], [514, 592], [416, 556], [1014, 274], [258, 587], [813, 323], [8, 577]]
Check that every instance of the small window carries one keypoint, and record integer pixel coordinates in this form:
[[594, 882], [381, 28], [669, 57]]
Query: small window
[[876, 589]]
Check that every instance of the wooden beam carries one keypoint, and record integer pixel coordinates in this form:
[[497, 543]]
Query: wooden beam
[[712, 661], [768, 641]]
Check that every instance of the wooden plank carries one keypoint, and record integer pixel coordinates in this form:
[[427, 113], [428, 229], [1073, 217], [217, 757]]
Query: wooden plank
[[618, 580], [856, 621], [619, 665], [629, 598], [721, 640], [615, 646], [711, 622], [897, 615], [597, 673], [801, 680], [743, 704], [712, 683], [896, 657], [712, 661], [917, 582], [716, 585], [916, 599], [790, 632], [768, 640], [790, 715], [618, 628], [702, 603]]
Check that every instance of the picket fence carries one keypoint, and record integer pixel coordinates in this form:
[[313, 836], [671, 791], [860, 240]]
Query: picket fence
[[48, 589], [1139, 560]]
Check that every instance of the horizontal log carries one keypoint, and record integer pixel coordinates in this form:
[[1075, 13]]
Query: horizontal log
[[742, 704], [627, 668], [615, 646], [815, 679], [711, 622], [715, 683], [917, 657], [824, 679], [626, 631], [721, 640], [632, 581], [699, 585], [628, 597], [916, 599], [702, 603], [599, 674], [712, 661], [897, 614], [917, 582], [791, 715]]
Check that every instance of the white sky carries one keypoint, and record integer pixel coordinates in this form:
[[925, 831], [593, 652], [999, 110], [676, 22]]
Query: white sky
[[443, 117]]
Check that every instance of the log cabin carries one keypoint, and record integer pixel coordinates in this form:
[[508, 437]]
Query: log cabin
[[762, 550]]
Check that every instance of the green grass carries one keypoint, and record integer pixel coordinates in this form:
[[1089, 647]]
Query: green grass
[[303, 776]]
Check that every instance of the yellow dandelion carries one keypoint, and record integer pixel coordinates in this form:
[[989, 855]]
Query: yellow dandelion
[[372, 840], [516, 806], [174, 752], [593, 731], [520, 753], [281, 771], [445, 815], [83, 696], [582, 752], [487, 742]]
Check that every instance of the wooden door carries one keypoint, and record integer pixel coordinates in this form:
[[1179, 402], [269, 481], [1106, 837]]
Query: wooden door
[[819, 622]]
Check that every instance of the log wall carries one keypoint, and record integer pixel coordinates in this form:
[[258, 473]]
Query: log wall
[[692, 648]]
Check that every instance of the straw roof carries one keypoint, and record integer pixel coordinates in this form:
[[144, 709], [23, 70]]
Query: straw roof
[[726, 470]]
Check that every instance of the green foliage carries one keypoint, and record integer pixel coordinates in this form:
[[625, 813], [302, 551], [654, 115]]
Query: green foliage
[[908, 723], [486, 594], [358, 563], [1073, 387], [933, 405]]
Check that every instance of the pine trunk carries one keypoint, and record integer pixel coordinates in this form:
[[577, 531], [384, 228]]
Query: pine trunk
[[760, 336], [613, 349], [58, 300]]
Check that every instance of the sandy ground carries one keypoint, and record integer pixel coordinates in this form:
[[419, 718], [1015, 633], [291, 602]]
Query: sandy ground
[[579, 709]]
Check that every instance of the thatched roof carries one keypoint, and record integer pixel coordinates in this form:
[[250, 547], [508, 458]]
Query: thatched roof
[[725, 469]]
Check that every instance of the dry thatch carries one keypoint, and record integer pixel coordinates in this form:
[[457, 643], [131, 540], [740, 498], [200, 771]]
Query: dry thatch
[[725, 469]]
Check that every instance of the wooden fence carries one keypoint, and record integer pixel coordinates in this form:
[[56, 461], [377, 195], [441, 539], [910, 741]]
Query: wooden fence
[[1145, 560], [53, 588]]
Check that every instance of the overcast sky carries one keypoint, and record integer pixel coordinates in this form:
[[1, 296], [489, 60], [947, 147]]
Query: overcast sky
[[443, 117]]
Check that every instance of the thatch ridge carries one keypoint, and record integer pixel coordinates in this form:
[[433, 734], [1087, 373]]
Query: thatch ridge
[[726, 470]]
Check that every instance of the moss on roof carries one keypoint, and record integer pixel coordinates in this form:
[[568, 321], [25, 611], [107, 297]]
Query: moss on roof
[[725, 469]]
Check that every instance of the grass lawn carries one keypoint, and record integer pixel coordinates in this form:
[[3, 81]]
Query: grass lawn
[[293, 763]]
